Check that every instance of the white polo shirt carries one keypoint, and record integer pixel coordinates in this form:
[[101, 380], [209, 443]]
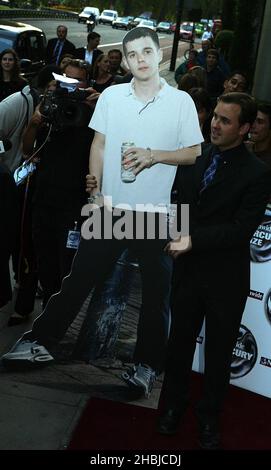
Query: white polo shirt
[[168, 122]]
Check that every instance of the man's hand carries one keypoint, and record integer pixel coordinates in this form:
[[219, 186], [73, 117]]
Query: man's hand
[[37, 118], [178, 247], [91, 183], [92, 98], [138, 158]]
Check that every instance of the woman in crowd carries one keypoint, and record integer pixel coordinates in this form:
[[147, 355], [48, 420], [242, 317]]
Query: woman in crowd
[[10, 78], [101, 73]]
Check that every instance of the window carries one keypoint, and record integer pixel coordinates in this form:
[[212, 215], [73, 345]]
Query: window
[[22, 49], [5, 43]]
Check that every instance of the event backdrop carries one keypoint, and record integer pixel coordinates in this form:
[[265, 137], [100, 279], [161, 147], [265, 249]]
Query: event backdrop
[[251, 359]]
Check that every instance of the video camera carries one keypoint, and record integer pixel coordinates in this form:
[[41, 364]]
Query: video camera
[[63, 109]]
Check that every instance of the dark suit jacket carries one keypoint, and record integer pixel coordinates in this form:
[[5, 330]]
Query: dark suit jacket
[[80, 54], [68, 48], [223, 217]]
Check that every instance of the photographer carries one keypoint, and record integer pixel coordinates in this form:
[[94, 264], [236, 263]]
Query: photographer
[[64, 143], [15, 113]]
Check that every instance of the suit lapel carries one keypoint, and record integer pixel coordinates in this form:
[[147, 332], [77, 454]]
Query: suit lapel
[[200, 167], [227, 171]]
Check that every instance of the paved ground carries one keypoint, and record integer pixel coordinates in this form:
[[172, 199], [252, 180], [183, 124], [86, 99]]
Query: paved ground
[[39, 409]]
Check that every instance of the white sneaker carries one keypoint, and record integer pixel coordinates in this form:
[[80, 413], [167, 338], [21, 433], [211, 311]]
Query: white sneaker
[[27, 353]]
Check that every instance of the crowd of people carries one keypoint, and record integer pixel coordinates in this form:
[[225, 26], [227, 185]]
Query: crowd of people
[[208, 139]]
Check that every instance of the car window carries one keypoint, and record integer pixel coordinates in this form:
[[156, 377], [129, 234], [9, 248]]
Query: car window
[[36, 46], [187, 27], [22, 46], [5, 43]]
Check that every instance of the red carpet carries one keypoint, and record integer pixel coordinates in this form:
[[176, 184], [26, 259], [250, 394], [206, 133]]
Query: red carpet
[[108, 425]]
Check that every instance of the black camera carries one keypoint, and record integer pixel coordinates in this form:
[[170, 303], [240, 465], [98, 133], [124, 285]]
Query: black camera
[[66, 109]]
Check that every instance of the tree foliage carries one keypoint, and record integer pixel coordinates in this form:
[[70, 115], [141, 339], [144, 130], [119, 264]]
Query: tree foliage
[[229, 11], [242, 54], [161, 9]]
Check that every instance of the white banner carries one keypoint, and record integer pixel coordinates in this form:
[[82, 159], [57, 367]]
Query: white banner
[[251, 359]]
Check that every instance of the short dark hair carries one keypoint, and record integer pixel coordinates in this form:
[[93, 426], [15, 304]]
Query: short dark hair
[[45, 75], [115, 51], [62, 26], [93, 35], [187, 81], [140, 32], [239, 72], [79, 64], [246, 102], [213, 52], [201, 98], [265, 108]]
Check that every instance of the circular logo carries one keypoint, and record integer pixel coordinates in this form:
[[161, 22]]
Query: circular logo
[[267, 305], [260, 243], [244, 354]]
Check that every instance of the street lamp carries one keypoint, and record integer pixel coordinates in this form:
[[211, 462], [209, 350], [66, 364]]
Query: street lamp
[[179, 7]]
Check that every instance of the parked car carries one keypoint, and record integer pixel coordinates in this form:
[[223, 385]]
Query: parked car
[[146, 24], [186, 31], [84, 15], [28, 41], [121, 22], [133, 23], [164, 27], [107, 16], [199, 30]]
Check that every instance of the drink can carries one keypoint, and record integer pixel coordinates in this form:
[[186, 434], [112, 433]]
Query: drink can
[[127, 174]]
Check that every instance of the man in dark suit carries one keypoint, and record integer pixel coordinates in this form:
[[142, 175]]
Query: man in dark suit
[[227, 191], [90, 53], [57, 47]]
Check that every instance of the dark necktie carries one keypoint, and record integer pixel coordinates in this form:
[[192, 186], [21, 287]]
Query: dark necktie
[[56, 53], [210, 171]]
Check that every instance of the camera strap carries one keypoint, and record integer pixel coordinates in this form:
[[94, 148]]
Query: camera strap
[[35, 99]]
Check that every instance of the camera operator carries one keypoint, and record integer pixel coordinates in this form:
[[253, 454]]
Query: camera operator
[[15, 112], [60, 177]]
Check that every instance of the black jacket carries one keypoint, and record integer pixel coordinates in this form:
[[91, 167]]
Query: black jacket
[[224, 216], [80, 54], [68, 48]]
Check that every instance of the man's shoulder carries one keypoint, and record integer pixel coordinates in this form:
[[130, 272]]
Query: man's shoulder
[[179, 95], [256, 162], [16, 97], [51, 41], [97, 52], [70, 44], [117, 91]]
